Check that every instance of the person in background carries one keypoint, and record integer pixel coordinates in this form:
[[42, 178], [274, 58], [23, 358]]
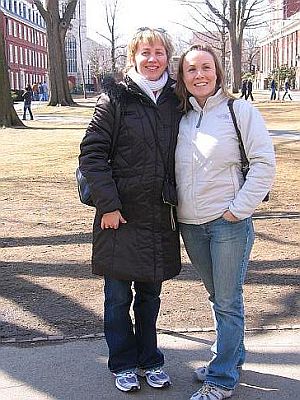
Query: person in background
[[273, 90], [135, 238], [215, 203], [249, 90], [287, 87], [45, 91], [244, 88], [41, 91], [35, 91], [27, 97]]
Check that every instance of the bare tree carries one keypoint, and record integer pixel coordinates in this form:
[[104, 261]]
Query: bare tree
[[250, 51], [80, 50], [98, 60], [8, 115], [111, 13], [57, 26], [240, 14], [208, 28]]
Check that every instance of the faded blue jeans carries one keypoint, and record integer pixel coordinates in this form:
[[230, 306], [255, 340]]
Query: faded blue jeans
[[220, 251], [131, 347]]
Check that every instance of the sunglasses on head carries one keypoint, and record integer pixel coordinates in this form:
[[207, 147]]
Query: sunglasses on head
[[146, 28]]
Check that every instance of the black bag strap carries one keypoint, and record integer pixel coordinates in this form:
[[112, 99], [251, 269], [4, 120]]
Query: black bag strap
[[244, 159]]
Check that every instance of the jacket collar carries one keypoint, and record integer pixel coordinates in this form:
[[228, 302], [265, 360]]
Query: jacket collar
[[133, 88], [217, 98]]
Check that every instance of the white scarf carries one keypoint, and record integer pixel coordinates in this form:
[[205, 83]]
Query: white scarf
[[148, 86]]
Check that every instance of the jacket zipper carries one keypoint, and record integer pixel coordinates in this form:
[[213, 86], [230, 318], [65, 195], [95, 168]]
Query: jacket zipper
[[200, 119]]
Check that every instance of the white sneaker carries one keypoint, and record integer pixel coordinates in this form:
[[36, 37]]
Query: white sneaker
[[127, 381], [155, 377], [200, 373], [210, 392]]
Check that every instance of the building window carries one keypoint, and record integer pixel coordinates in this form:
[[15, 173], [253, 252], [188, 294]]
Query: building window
[[16, 55], [17, 81], [10, 31], [12, 83], [71, 54], [11, 53]]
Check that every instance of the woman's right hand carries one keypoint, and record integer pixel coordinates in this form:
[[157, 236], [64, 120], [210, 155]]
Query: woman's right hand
[[112, 220]]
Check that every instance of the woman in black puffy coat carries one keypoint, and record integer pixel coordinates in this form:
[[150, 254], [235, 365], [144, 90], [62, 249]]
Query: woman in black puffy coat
[[135, 235]]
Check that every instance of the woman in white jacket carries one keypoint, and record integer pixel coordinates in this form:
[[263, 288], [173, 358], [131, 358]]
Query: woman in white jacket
[[215, 203]]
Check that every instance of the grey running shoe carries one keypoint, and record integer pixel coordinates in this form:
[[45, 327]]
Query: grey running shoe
[[200, 373], [155, 377], [210, 392], [127, 381]]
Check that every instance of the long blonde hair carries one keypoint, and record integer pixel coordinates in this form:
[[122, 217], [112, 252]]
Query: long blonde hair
[[181, 90], [148, 35]]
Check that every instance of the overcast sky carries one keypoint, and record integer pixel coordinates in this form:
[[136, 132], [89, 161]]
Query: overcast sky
[[137, 13]]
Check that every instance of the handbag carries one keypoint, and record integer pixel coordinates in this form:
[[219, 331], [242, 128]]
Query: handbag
[[84, 190], [244, 160]]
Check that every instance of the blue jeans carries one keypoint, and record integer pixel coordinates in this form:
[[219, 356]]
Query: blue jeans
[[131, 347], [220, 251]]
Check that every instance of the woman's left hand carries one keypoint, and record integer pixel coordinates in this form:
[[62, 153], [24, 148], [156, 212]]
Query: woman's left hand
[[228, 216]]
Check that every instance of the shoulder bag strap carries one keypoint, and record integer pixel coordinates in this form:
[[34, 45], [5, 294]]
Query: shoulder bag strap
[[244, 159]]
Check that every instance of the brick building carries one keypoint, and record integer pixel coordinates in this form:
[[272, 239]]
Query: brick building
[[282, 44], [25, 41]]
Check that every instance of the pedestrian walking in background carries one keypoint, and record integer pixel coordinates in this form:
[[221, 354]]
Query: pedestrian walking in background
[[45, 91], [35, 90], [273, 90], [41, 91], [27, 97], [135, 238], [249, 90], [244, 88], [215, 203], [287, 87]]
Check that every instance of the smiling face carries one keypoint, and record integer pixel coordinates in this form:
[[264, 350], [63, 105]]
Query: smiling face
[[151, 60], [199, 75]]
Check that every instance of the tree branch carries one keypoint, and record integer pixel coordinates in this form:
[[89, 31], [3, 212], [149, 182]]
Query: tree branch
[[41, 9], [69, 12]]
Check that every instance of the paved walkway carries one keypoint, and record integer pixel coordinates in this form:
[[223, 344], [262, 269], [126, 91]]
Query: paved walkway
[[76, 370]]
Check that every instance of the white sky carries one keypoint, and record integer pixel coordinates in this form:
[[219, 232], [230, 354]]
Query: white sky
[[137, 13]]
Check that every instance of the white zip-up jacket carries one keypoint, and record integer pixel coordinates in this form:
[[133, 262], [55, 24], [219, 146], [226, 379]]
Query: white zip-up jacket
[[208, 163]]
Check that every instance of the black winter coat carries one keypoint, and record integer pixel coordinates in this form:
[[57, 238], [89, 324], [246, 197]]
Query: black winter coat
[[145, 249]]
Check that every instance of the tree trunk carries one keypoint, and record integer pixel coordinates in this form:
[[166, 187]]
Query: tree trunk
[[235, 28], [236, 56], [58, 76], [8, 115], [56, 32]]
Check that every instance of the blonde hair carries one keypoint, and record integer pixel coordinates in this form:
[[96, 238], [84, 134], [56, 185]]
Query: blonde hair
[[181, 90], [148, 35]]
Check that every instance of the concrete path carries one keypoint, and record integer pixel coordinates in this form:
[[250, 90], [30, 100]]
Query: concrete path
[[76, 370]]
